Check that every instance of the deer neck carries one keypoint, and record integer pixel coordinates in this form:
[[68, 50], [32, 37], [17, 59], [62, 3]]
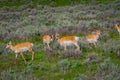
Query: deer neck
[[97, 35], [12, 47], [58, 39], [116, 27]]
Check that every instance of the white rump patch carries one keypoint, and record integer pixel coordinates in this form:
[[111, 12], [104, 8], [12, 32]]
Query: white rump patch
[[77, 38]]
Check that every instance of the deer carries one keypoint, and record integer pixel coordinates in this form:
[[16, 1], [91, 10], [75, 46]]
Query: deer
[[67, 41], [117, 26], [93, 38], [20, 48], [47, 39]]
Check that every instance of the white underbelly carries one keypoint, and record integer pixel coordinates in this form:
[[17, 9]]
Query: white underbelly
[[16, 51], [68, 43], [24, 49], [92, 40]]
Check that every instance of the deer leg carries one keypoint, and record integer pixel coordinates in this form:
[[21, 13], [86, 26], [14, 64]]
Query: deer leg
[[16, 55], [94, 44], [44, 44], [78, 47], [88, 44], [48, 46], [23, 57], [65, 48], [32, 55]]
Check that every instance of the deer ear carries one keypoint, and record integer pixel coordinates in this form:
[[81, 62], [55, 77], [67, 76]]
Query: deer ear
[[117, 24]]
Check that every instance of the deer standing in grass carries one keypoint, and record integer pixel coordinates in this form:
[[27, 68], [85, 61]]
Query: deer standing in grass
[[93, 38], [117, 26], [47, 39], [20, 48], [67, 41]]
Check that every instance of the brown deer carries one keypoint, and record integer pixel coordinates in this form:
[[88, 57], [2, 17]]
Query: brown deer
[[68, 41], [20, 48], [93, 38], [47, 39]]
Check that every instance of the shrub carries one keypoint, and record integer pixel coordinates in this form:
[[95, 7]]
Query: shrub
[[18, 21], [17, 75], [92, 58], [107, 71], [71, 53], [111, 46], [80, 78], [64, 65], [30, 67], [1, 48]]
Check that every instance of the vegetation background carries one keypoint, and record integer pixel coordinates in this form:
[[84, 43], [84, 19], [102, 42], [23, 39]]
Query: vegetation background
[[29, 20]]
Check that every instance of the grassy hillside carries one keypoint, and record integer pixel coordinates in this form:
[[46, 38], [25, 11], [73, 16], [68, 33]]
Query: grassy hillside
[[29, 22], [51, 2]]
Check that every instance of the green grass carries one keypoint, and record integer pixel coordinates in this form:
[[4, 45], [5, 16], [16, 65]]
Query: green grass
[[56, 2], [47, 65], [10, 4]]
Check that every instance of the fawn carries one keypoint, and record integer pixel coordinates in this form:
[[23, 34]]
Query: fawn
[[20, 48], [47, 39], [67, 41], [93, 38]]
